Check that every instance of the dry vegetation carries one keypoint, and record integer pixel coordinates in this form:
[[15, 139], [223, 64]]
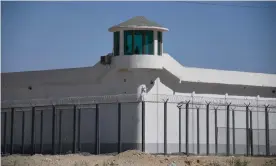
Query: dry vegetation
[[133, 158]]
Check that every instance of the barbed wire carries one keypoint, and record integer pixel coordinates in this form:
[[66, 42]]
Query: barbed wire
[[214, 101], [72, 100]]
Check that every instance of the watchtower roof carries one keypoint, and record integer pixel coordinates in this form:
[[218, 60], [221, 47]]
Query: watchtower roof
[[138, 22]]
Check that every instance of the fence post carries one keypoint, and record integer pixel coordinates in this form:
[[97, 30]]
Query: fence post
[[179, 129], [5, 132], [165, 127], [79, 130], [33, 130], [247, 134], [207, 128], [60, 132], [233, 131], [251, 134], [267, 144], [23, 132], [12, 131], [197, 126], [54, 131], [97, 130], [119, 128], [41, 132], [187, 128], [227, 131], [216, 130], [74, 129], [143, 126]]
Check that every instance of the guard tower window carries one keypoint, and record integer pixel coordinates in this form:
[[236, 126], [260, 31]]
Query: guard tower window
[[160, 41], [128, 42], [148, 42], [116, 42], [138, 42]]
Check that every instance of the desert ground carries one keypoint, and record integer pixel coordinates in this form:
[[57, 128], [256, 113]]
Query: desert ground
[[133, 158]]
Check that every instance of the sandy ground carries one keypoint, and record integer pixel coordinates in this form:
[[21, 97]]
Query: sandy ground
[[132, 158]]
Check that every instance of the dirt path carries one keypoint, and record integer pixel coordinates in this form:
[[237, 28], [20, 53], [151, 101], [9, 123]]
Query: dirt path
[[132, 158]]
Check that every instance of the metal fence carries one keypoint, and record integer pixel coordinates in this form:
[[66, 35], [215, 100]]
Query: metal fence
[[253, 141], [50, 116], [62, 124]]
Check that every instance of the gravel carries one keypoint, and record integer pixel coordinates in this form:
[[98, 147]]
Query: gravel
[[130, 158]]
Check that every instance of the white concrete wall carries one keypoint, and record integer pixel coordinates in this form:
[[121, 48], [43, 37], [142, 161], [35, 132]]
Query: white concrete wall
[[217, 76], [101, 80], [138, 62], [155, 127], [155, 133], [115, 82]]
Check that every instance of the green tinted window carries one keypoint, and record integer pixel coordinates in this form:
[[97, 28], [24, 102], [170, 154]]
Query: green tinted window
[[116, 42], [138, 42], [128, 43], [159, 43], [148, 44]]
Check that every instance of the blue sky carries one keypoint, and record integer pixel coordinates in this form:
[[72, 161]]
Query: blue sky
[[52, 35]]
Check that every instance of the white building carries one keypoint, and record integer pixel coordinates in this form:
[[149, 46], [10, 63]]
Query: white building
[[138, 69]]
